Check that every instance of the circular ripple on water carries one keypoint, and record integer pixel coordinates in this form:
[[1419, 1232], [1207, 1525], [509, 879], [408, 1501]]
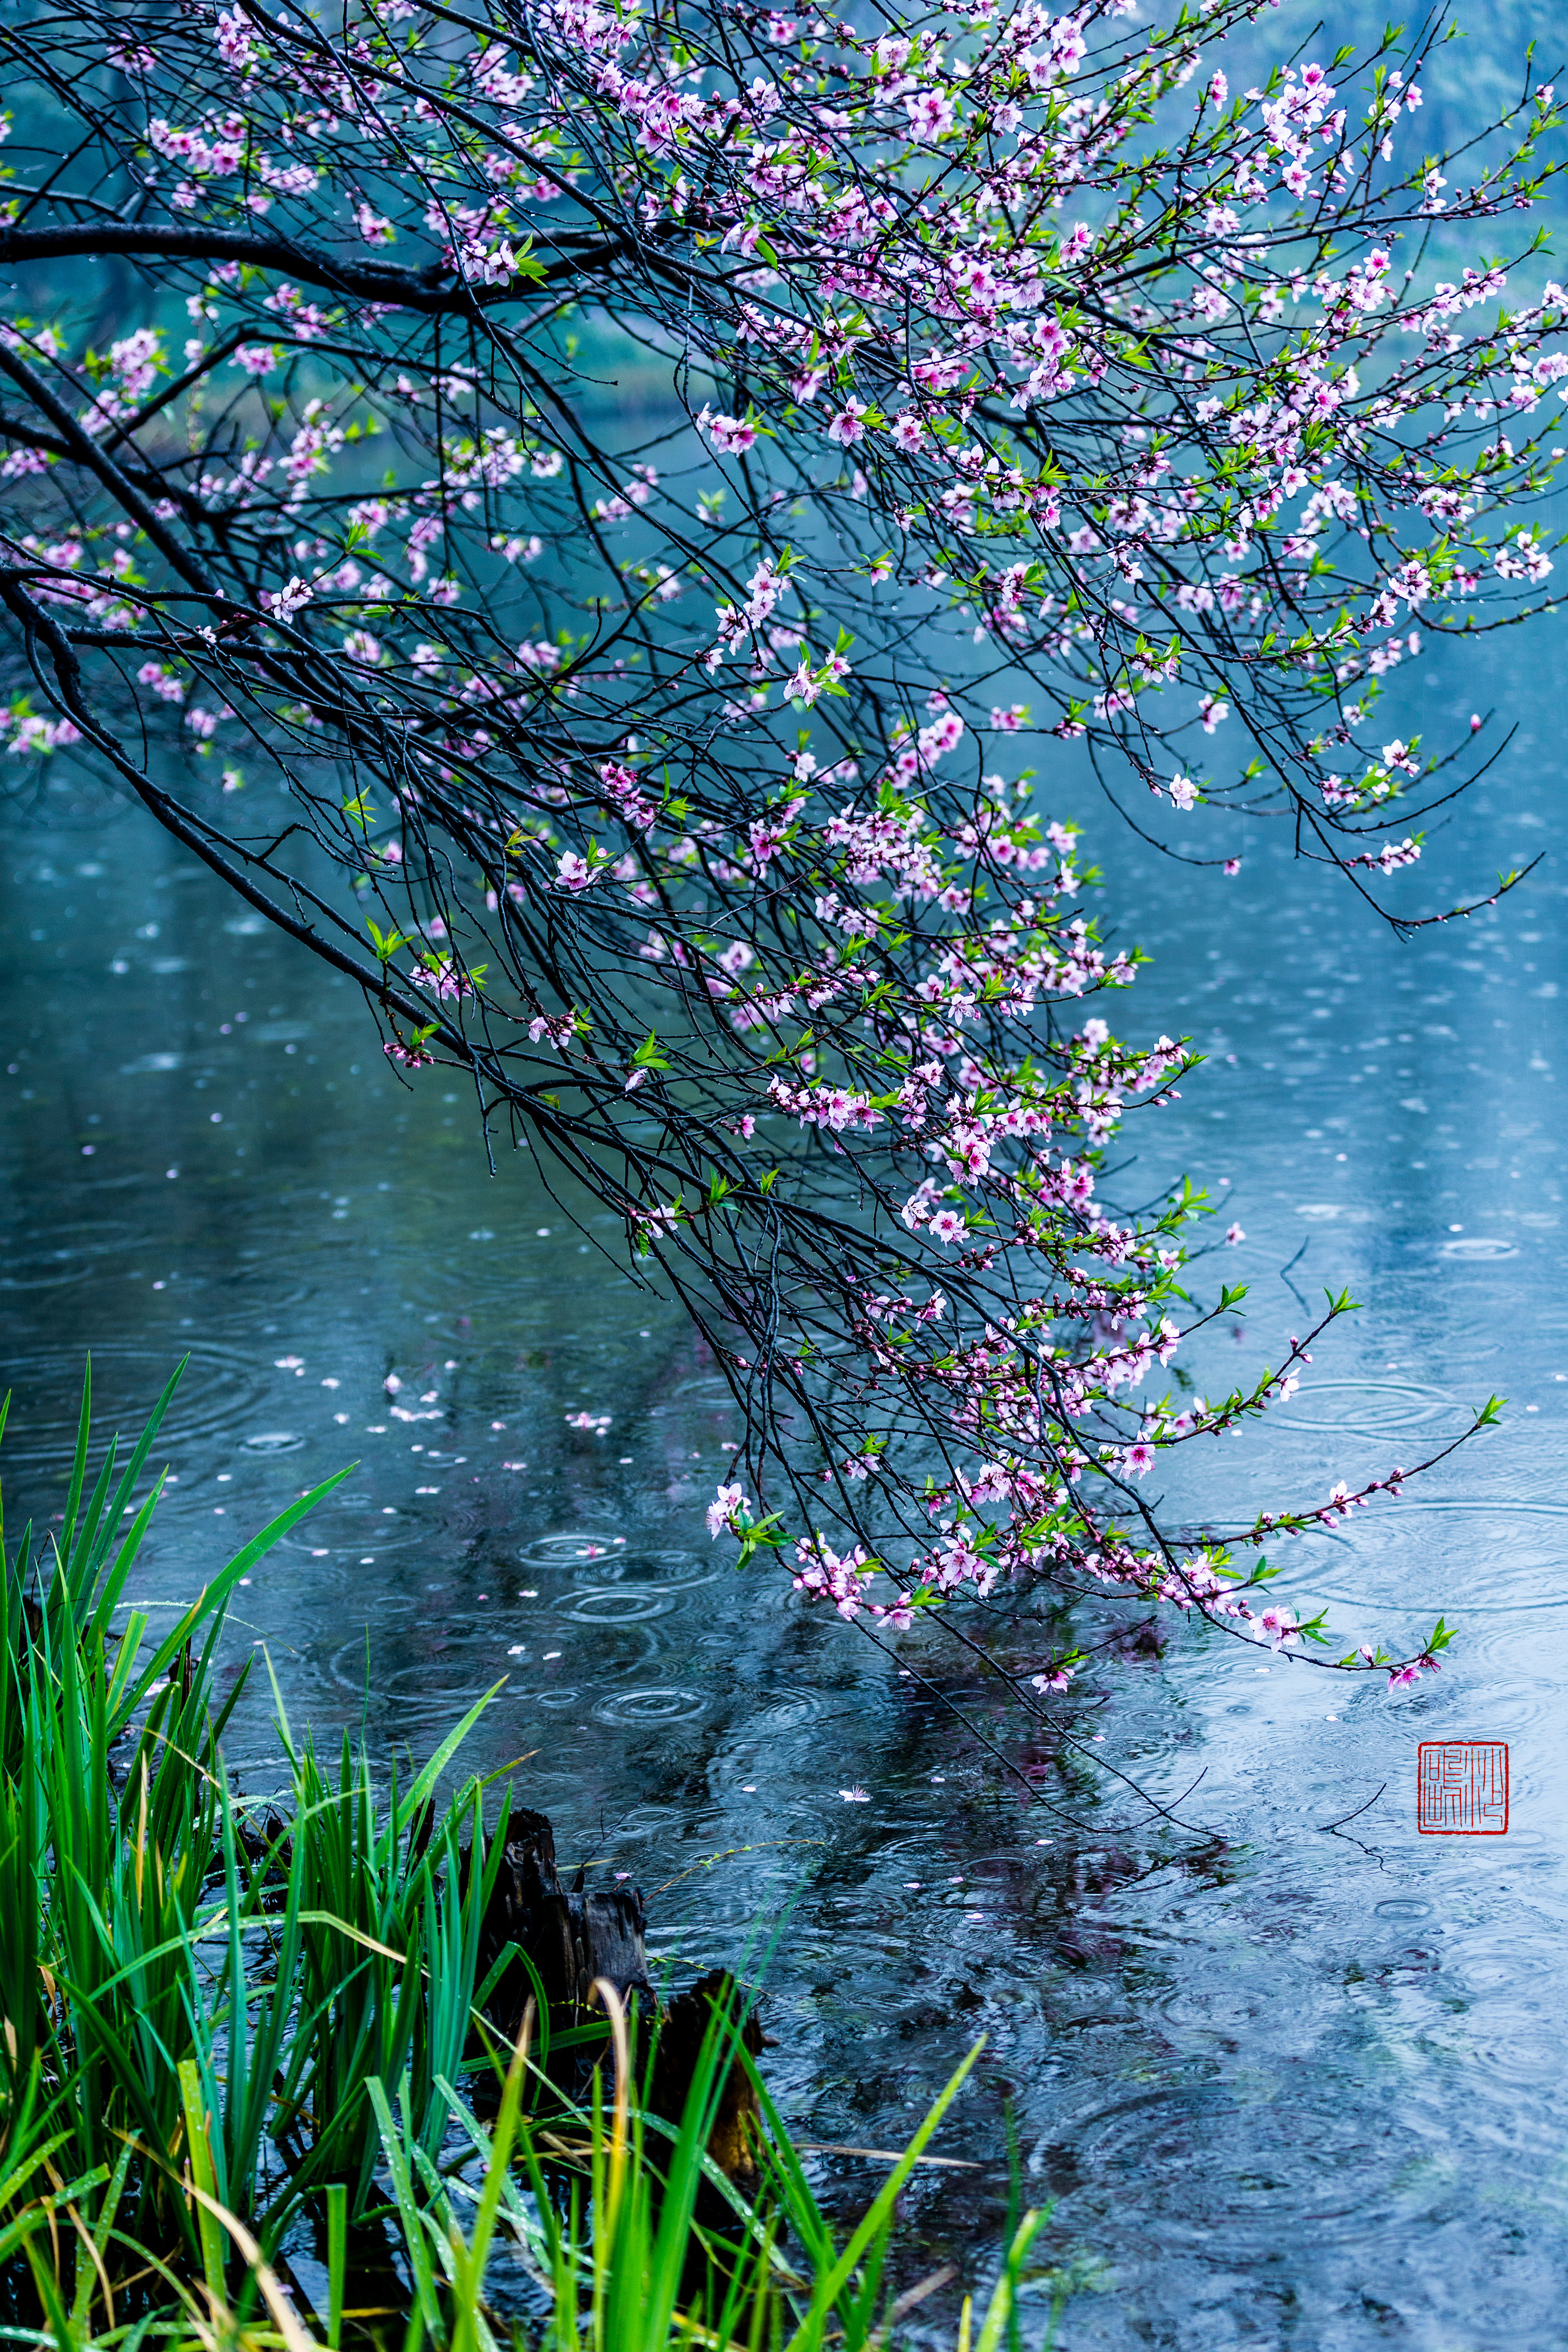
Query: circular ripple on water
[[778, 1710], [1475, 1248], [620, 1604], [1472, 1559], [67, 1253], [223, 1393], [1243, 2170], [1502, 1680], [1494, 1960], [704, 1389], [567, 1546], [651, 1706], [460, 1651], [1220, 2008], [443, 1684], [292, 1593], [616, 1564], [672, 1572], [1392, 1405], [456, 1696], [549, 1296], [353, 1665], [274, 1441], [357, 1538], [334, 1509], [421, 1722]]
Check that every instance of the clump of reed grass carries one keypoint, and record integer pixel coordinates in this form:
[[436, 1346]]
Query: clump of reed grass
[[219, 2042]]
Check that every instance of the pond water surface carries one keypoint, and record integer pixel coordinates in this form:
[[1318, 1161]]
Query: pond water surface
[[1286, 2082], [1289, 2071]]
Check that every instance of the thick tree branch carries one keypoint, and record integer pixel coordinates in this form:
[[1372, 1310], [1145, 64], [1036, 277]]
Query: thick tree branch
[[435, 291]]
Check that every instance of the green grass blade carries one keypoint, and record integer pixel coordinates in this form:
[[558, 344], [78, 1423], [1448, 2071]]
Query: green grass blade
[[199, 2151], [1001, 2311], [414, 2238], [829, 2288], [216, 1595], [78, 1467], [337, 2260], [448, 1748]]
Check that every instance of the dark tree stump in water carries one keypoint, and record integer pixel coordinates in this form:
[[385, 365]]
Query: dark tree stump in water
[[571, 1938], [733, 2139]]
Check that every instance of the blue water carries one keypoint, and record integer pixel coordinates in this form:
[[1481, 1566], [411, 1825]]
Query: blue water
[[1284, 2083], [1287, 2069]]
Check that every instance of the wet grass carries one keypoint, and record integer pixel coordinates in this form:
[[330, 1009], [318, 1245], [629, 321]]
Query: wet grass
[[252, 2089]]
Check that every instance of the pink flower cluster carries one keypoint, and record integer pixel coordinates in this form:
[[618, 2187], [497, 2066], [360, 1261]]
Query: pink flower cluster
[[1031, 387]]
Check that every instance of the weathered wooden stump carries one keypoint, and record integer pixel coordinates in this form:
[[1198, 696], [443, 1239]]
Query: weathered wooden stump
[[571, 1940], [733, 2139]]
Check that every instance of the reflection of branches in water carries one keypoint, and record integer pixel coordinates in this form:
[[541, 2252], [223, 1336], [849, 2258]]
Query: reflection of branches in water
[[31, 798], [1065, 1739], [1337, 1829], [1286, 1271]]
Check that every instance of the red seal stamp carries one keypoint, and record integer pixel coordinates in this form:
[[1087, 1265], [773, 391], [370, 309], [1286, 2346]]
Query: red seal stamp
[[1461, 1787]]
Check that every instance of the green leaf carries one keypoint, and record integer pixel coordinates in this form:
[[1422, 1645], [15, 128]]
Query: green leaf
[[449, 1746], [387, 943], [214, 1596]]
